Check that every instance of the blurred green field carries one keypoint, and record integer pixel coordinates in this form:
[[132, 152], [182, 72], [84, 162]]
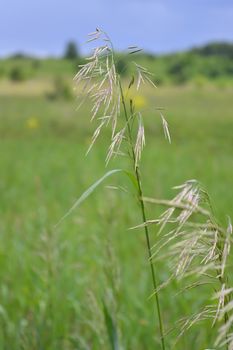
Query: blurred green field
[[53, 281]]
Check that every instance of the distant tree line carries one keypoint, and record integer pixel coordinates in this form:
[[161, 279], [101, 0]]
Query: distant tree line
[[215, 49], [210, 62]]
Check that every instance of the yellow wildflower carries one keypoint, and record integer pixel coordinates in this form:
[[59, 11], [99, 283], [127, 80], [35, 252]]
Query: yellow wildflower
[[32, 123], [139, 101]]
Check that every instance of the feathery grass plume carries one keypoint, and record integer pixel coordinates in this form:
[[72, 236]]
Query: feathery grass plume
[[197, 248], [140, 140], [100, 81], [114, 148], [143, 76]]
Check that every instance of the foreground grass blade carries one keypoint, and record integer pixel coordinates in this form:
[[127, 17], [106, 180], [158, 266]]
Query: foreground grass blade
[[111, 328], [87, 193], [91, 189]]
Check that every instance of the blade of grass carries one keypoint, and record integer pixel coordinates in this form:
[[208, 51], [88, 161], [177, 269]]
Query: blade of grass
[[111, 328], [93, 187]]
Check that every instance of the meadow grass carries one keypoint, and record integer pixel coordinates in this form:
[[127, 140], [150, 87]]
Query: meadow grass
[[53, 281]]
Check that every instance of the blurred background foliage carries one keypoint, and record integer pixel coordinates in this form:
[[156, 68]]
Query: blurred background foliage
[[210, 63]]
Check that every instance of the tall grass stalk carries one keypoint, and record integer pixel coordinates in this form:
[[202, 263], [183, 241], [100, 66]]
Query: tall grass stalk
[[143, 213], [100, 81]]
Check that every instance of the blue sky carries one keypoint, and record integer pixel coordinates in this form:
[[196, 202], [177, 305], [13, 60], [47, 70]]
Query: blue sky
[[44, 26]]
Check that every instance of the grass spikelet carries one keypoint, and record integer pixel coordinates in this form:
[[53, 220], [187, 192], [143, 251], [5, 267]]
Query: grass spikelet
[[198, 247], [140, 140], [98, 80], [143, 76], [114, 147], [165, 128]]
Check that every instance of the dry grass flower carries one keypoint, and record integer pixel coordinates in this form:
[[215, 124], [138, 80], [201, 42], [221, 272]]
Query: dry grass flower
[[197, 248]]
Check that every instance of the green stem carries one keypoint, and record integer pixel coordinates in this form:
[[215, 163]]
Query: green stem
[[142, 206]]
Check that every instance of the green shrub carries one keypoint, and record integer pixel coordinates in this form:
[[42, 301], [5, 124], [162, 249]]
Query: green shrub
[[36, 64], [17, 74], [200, 80], [122, 66], [61, 89], [2, 72]]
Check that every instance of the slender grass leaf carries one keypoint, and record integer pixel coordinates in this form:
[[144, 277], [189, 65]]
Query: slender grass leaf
[[132, 178], [87, 193], [135, 51], [92, 188], [111, 328]]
